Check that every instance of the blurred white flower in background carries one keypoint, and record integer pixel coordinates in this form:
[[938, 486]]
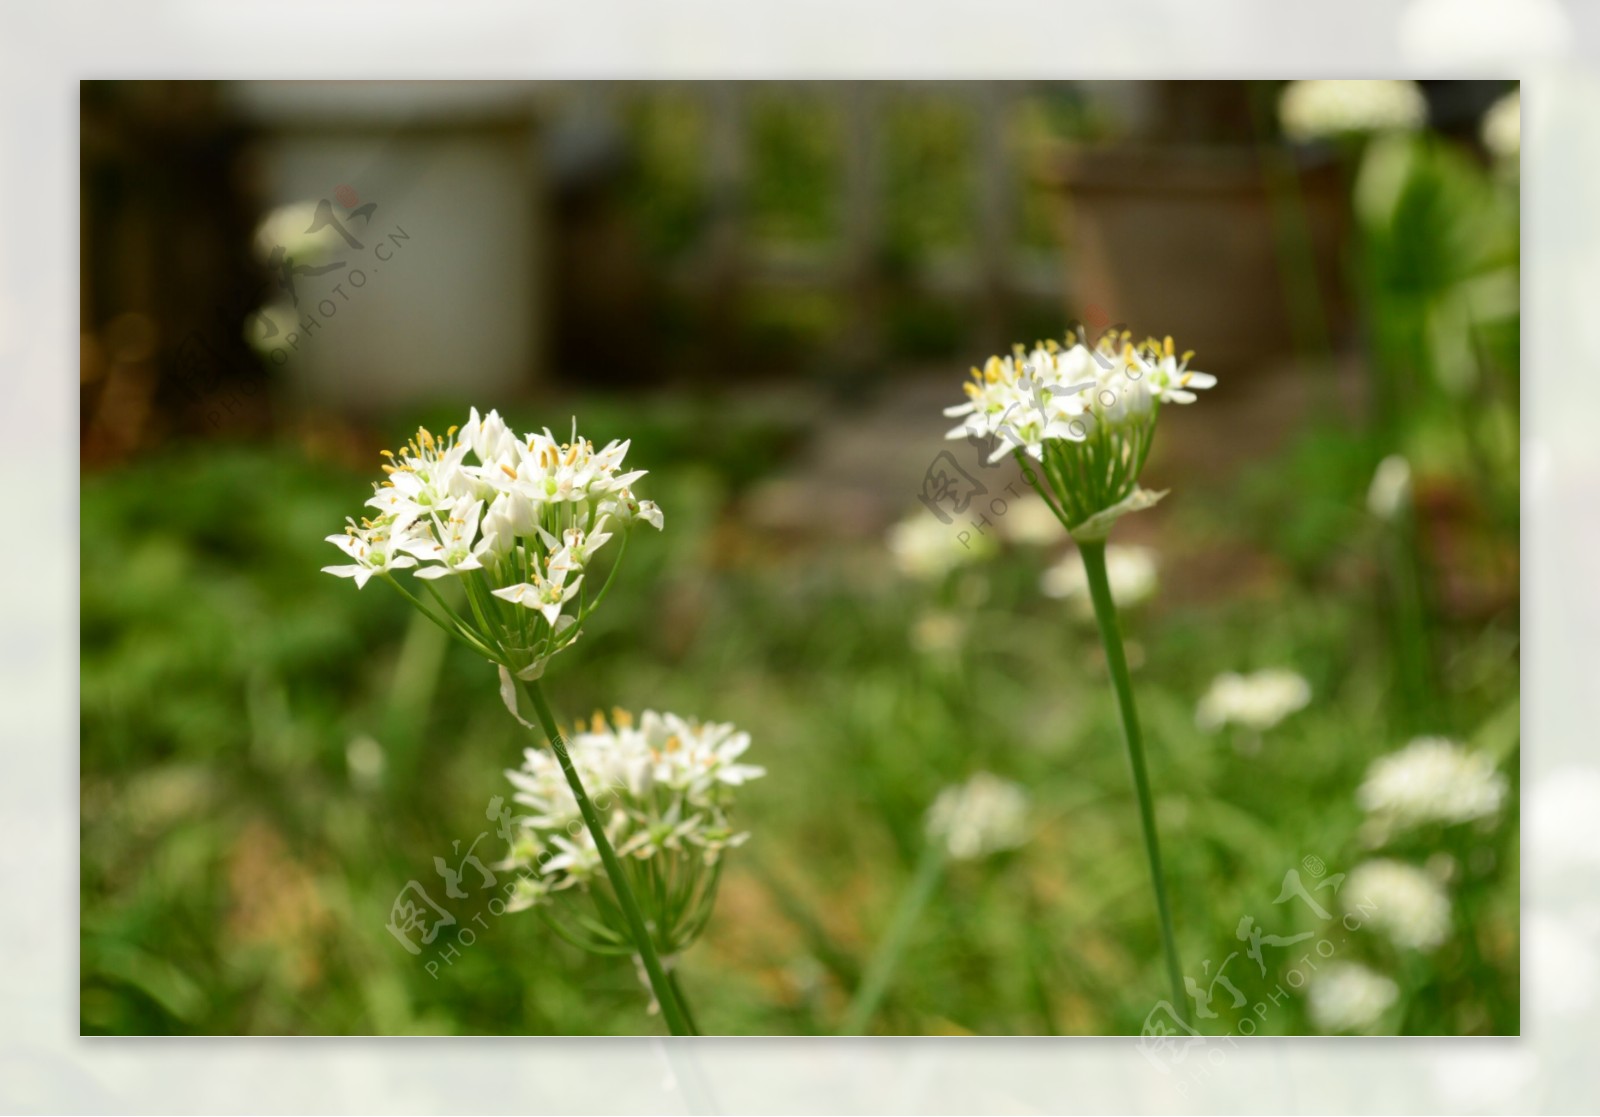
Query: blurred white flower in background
[[1402, 901], [1257, 701], [1432, 779], [1029, 522], [1348, 997], [1130, 570], [1502, 127], [1390, 491], [1311, 110], [926, 549], [982, 816]]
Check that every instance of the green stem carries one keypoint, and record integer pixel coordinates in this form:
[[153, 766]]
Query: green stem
[[1105, 611], [683, 1002], [881, 969], [671, 1010]]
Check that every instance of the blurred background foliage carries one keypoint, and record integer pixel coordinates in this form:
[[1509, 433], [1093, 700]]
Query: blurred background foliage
[[786, 300]]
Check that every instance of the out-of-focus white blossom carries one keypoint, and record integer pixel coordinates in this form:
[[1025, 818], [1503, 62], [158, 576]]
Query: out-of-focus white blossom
[[1432, 779], [1311, 110], [1029, 522], [1257, 701], [664, 787], [517, 518], [1130, 570], [982, 816], [1390, 491], [1348, 997], [1402, 901], [1085, 414], [926, 549], [1502, 127]]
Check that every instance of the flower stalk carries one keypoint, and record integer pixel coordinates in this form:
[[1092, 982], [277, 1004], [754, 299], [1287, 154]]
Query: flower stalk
[[886, 959], [1105, 610], [665, 990]]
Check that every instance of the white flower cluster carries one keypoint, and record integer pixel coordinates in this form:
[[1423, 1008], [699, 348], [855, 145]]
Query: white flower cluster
[[1432, 779], [517, 518], [1311, 110], [1256, 701], [1086, 415], [1404, 902], [1061, 393], [982, 816], [1130, 570], [1348, 997], [663, 787]]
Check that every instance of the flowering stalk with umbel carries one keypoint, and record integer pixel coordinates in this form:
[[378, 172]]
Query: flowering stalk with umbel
[[967, 822], [516, 523], [1080, 420]]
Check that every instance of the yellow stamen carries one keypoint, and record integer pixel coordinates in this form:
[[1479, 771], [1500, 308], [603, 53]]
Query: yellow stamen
[[509, 472]]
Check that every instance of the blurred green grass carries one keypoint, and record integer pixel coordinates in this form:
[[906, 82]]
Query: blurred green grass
[[269, 756]]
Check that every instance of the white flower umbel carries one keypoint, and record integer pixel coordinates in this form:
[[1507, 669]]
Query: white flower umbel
[[1432, 780], [1402, 901], [1131, 570], [665, 786], [983, 816], [1348, 997], [1080, 420], [516, 522], [1085, 415], [1256, 702], [1313, 110]]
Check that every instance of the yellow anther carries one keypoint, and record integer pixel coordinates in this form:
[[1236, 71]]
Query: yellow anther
[[509, 472], [1166, 345], [621, 718]]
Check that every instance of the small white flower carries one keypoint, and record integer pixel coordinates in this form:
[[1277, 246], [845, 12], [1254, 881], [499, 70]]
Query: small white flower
[[1257, 701], [1400, 900], [982, 816], [1432, 779], [1502, 126], [375, 548], [546, 594], [1310, 110], [454, 543], [1130, 570], [927, 550], [1390, 491], [1348, 997]]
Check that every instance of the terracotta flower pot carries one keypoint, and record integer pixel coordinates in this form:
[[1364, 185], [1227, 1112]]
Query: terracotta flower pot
[[1189, 241]]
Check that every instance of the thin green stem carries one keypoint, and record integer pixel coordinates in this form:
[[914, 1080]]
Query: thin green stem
[[1105, 611], [671, 1010], [879, 972], [683, 1002]]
